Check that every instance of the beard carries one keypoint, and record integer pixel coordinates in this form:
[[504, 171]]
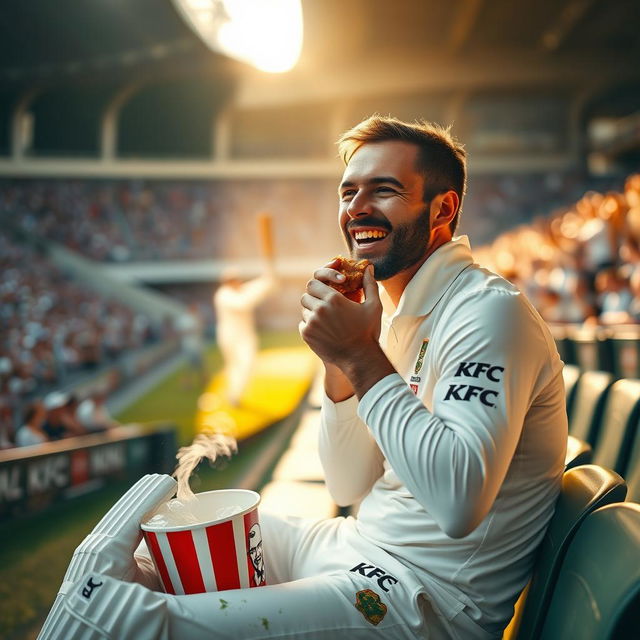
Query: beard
[[409, 245]]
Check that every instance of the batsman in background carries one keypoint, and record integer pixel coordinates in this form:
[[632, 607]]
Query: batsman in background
[[235, 302]]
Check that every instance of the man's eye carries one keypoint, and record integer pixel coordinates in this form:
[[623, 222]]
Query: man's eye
[[346, 195], [385, 190]]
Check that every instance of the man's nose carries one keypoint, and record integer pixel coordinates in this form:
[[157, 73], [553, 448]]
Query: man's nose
[[359, 206]]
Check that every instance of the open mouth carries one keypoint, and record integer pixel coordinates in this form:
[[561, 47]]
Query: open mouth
[[367, 237]]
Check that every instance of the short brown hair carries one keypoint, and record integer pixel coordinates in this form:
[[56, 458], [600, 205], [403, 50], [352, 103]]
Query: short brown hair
[[441, 158]]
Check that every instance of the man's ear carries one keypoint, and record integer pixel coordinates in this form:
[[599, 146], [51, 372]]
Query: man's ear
[[443, 209]]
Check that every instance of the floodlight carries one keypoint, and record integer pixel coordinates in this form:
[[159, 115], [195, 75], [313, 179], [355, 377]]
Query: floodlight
[[264, 33]]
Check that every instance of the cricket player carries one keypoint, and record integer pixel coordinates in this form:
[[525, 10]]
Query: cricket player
[[443, 415]]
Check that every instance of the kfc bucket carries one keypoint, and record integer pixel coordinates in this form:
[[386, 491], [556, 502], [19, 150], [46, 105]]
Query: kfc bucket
[[212, 543]]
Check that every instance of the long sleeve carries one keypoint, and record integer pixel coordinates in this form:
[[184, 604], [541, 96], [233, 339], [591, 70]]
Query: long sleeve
[[488, 365], [350, 456], [256, 290], [249, 295]]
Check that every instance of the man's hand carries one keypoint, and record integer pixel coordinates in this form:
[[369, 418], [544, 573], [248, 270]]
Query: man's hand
[[342, 332]]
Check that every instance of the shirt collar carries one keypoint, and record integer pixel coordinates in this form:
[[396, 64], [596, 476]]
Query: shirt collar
[[430, 282]]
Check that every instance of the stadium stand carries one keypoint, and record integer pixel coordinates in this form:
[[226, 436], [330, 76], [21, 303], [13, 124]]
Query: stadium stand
[[581, 268], [570, 373], [597, 593], [588, 404], [124, 221], [584, 489], [579, 264], [56, 332], [633, 471], [620, 420]]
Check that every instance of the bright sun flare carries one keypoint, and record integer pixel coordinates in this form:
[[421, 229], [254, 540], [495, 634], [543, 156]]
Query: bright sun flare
[[264, 33]]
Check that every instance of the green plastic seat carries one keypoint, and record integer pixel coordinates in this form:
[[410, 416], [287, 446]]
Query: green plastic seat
[[597, 594], [578, 452], [593, 348], [564, 343], [588, 404], [570, 374], [584, 489], [632, 472], [625, 340], [618, 426]]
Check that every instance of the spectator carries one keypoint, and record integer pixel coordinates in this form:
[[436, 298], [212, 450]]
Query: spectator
[[6, 421], [614, 297], [580, 264], [32, 431], [93, 415], [60, 418]]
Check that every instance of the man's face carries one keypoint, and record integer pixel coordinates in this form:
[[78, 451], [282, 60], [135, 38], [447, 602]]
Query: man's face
[[382, 214], [255, 548]]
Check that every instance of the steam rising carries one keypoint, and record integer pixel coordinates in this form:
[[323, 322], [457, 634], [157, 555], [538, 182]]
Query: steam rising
[[204, 445]]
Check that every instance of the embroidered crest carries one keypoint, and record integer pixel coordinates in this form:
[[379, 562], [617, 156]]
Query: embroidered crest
[[420, 360], [369, 605]]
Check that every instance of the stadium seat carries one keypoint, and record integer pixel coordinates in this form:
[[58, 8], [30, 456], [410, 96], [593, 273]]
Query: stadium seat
[[632, 473], [566, 347], [625, 341], [588, 403], [570, 373], [578, 452], [618, 426], [584, 489], [597, 594], [594, 351]]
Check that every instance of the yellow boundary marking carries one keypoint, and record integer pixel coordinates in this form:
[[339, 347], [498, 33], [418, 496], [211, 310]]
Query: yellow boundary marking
[[280, 379]]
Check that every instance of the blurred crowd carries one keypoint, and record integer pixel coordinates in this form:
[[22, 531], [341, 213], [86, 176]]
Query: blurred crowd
[[52, 329], [115, 221], [581, 263], [62, 415], [497, 203], [137, 220]]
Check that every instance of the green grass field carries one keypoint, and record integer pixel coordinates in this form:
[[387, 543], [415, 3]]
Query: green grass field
[[36, 550]]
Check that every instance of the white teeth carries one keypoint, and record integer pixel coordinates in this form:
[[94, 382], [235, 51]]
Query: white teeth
[[366, 235]]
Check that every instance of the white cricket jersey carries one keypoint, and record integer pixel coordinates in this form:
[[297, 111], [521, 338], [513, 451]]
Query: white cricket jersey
[[460, 465]]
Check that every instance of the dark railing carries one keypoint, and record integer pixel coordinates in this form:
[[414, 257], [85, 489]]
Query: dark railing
[[34, 478]]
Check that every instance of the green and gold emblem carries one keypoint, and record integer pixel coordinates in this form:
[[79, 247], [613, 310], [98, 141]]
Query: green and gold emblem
[[369, 605], [420, 360]]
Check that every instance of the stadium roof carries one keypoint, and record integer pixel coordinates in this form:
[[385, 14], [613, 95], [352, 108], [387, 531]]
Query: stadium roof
[[99, 79], [42, 40]]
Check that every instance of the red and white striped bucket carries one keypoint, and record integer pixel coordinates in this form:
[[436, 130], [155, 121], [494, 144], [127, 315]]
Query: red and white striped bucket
[[213, 555]]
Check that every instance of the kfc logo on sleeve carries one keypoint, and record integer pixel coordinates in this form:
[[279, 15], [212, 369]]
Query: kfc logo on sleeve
[[465, 392], [479, 370]]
